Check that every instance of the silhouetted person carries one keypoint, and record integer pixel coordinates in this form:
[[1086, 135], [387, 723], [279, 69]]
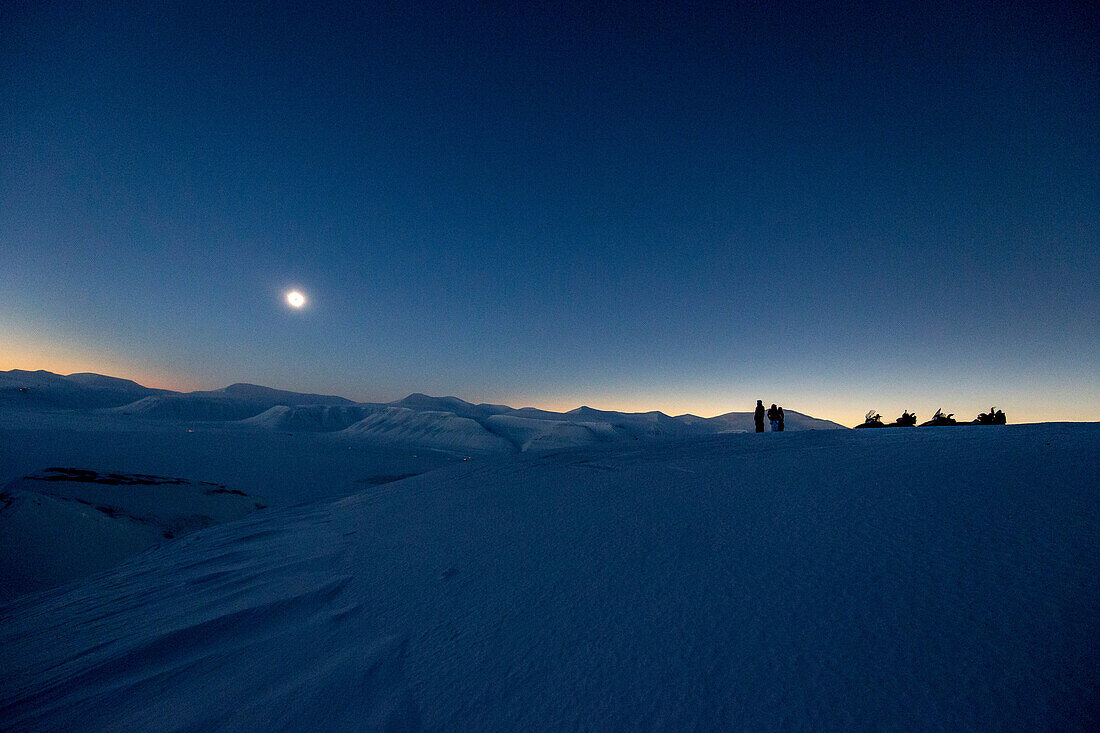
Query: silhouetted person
[[758, 416], [780, 409], [773, 417]]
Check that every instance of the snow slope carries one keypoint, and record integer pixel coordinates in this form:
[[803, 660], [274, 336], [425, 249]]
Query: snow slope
[[65, 523], [890, 579], [49, 541], [185, 407]]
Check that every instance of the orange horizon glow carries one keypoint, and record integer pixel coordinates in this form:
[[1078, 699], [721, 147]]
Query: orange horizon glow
[[835, 410], [107, 367]]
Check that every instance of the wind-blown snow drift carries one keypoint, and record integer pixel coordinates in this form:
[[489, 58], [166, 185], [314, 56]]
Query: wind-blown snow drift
[[893, 580]]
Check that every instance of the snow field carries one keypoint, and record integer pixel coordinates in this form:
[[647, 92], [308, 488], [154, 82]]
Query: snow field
[[869, 579]]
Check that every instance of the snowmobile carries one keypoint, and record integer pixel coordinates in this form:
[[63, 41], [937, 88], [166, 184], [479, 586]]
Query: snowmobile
[[993, 417], [907, 420], [939, 419], [874, 420]]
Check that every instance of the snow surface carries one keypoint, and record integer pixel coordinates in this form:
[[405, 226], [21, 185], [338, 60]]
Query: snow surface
[[49, 541], [893, 579]]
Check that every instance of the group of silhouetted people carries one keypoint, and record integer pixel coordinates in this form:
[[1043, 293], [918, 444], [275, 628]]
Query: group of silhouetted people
[[774, 415], [909, 419]]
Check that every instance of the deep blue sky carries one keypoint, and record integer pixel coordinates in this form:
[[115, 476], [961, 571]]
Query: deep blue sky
[[681, 207]]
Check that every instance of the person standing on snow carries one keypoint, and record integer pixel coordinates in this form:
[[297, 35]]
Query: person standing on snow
[[758, 416], [773, 417], [780, 409]]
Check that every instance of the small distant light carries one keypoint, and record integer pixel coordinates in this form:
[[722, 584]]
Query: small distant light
[[295, 299]]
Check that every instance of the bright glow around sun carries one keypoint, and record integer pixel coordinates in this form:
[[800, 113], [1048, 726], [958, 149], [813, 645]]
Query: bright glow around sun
[[295, 299]]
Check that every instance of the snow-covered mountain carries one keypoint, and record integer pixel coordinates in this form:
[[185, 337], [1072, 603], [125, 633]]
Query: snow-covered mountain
[[448, 423], [311, 418], [462, 408], [42, 389], [430, 429], [266, 395], [84, 391], [540, 434], [188, 407], [829, 580], [416, 419], [235, 402]]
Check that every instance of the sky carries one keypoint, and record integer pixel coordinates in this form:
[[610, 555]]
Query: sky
[[674, 206]]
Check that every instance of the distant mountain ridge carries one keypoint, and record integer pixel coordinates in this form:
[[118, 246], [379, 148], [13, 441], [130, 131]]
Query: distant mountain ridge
[[235, 402], [442, 423], [43, 390], [84, 390]]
